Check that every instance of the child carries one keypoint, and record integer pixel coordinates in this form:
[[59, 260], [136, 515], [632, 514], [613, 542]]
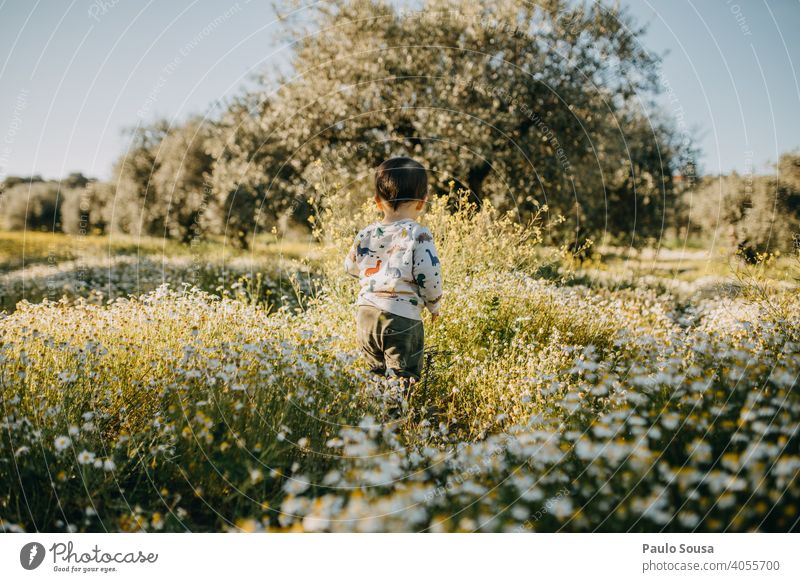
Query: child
[[396, 263]]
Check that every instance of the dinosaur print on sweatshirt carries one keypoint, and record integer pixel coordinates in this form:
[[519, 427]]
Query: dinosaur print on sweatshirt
[[398, 268], [373, 270], [361, 251], [434, 258]]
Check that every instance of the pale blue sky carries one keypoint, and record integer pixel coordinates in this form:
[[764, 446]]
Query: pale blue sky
[[73, 73]]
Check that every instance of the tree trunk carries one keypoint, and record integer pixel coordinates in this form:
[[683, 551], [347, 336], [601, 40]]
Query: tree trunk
[[475, 178]]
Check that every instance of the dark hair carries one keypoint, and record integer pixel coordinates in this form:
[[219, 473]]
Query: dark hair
[[399, 180]]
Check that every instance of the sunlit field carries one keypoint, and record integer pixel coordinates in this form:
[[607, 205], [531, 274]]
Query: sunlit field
[[37, 265], [199, 388]]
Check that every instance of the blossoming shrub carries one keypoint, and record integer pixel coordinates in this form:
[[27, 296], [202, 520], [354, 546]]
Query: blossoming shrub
[[472, 241]]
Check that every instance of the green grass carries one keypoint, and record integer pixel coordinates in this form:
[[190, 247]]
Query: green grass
[[687, 265], [18, 249], [100, 269]]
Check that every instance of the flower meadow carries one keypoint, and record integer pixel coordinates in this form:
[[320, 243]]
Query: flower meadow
[[123, 272], [547, 404]]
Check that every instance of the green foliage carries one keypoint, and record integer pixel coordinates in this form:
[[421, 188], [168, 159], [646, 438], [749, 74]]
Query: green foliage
[[87, 210], [75, 205], [163, 184], [461, 229], [248, 174], [472, 97], [136, 209], [31, 206], [752, 214], [182, 180]]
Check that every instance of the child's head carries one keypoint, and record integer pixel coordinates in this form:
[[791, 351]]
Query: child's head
[[401, 183]]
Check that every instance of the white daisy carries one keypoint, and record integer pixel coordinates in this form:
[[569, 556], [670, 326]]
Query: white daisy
[[62, 442]]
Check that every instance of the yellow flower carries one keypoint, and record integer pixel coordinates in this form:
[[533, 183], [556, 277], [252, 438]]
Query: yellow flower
[[248, 525]]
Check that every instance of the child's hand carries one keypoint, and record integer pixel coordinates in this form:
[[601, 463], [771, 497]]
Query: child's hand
[[434, 317]]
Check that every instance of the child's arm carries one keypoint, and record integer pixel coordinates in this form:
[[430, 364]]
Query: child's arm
[[427, 272], [350, 264]]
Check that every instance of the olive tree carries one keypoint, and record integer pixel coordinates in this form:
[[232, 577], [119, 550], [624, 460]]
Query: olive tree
[[163, 180], [523, 103]]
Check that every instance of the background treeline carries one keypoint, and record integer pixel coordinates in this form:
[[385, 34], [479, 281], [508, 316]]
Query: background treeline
[[754, 214], [160, 188], [74, 205], [529, 104]]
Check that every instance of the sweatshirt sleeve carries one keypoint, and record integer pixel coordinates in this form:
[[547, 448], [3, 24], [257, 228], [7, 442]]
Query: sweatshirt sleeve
[[427, 270], [350, 261]]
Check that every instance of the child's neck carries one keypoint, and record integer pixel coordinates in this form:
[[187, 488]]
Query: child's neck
[[389, 217]]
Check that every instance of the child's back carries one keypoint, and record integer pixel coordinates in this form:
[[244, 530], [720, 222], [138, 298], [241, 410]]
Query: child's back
[[396, 263], [398, 268]]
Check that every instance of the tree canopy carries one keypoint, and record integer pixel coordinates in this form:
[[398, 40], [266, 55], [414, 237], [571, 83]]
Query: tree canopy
[[524, 103]]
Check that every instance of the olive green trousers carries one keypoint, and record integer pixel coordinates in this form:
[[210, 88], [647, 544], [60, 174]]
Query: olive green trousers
[[390, 342]]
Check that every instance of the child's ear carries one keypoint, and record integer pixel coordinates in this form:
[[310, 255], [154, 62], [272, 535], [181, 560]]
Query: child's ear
[[378, 202], [420, 204]]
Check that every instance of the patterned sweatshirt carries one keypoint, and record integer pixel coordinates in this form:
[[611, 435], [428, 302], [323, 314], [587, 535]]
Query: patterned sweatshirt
[[398, 268]]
